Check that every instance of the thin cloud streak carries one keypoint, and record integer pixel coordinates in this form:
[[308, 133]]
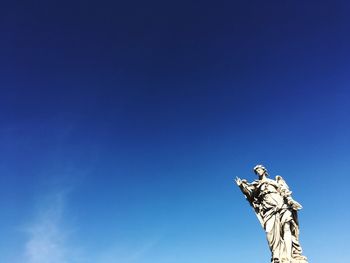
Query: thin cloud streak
[[48, 238], [141, 251], [127, 254]]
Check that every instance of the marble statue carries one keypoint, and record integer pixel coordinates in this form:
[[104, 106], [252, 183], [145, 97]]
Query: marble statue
[[277, 212]]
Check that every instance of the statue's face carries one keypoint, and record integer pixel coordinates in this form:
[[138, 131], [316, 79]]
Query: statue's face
[[260, 171]]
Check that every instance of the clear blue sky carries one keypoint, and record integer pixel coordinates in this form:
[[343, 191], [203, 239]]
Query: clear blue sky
[[123, 124]]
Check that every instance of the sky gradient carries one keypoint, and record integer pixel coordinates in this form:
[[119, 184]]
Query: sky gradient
[[123, 124]]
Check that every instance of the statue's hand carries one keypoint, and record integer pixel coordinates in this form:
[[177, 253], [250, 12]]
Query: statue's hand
[[239, 181]]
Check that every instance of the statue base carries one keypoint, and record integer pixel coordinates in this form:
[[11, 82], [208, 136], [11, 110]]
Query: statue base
[[300, 259]]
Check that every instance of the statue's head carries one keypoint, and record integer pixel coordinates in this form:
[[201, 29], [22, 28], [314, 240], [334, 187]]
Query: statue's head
[[260, 170]]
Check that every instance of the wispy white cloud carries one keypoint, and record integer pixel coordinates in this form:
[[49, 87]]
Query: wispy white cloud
[[48, 237]]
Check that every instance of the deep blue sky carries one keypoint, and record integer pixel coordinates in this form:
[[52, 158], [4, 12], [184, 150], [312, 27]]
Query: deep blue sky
[[123, 124]]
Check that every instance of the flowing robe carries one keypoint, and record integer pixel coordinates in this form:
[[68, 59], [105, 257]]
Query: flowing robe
[[272, 203]]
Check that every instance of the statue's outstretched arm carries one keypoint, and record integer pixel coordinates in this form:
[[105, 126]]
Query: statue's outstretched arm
[[245, 187]]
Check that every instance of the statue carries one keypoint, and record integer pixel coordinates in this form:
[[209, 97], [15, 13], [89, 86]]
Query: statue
[[277, 213]]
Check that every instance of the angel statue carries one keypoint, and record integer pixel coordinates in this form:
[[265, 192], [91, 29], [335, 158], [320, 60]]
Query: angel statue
[[277, 213]]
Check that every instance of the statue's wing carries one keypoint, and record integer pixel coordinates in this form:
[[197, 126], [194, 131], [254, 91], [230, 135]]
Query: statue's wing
[[284, 188], [281, 182]]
